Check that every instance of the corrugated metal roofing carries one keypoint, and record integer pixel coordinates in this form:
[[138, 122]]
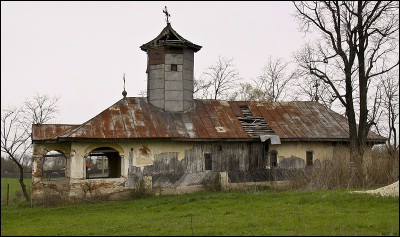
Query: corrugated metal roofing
[[135, 118]]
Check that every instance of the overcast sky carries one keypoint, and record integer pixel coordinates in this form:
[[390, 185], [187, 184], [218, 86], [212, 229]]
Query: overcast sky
[[80, 50]]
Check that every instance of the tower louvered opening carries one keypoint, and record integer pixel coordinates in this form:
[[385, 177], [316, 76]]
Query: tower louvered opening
[[254, 126]]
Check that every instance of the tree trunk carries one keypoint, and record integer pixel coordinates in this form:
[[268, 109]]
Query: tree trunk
[[357, 167], [23, 186]]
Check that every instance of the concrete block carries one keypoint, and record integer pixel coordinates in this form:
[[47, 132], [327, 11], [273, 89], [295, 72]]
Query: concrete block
[[170, 76], [188, 85], [174, 106], [158, 103], [188, 54], [187, 95], [173, 85], [155, 67], [156, 84], [174, 95], [173, 58], [187, 64], [187, 74], [157, 73], [156, 94], [179, 67]]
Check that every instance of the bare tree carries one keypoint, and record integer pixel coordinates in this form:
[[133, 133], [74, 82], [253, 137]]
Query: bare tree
[[223, 77], [313, 90], [389, 89], [16, 130], [357, 45], [201, 88], [143, 93], [40, 109], [275, 79], [272, 85], [248, 92]]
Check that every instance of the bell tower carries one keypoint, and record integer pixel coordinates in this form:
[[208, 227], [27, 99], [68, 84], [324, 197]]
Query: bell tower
[[170, 63]]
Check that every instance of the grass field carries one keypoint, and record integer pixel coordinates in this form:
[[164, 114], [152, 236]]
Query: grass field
[[15, 192], [266, 212]]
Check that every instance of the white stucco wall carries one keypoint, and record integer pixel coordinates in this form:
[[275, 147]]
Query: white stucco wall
[[321, 150]]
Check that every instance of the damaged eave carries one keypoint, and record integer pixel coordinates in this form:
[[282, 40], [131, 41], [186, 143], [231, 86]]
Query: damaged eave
[[157, 139], [180, 41], [373, 141], [45, 142]]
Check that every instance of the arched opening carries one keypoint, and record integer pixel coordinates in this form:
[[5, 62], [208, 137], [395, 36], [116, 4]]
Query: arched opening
[[54, 165], [103, 162]]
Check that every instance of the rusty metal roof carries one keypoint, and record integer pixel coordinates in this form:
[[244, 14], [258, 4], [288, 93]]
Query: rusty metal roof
[[135, 118], [49, 131]]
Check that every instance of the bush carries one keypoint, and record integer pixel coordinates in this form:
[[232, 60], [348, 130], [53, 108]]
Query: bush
[[336, 174]]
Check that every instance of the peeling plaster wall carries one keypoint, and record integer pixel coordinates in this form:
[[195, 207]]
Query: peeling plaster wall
[[171, 173], [167, 164], [76, 186], [43, 189], [321, 150]]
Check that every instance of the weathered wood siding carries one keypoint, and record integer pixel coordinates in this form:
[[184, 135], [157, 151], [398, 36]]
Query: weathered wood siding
[[168, 171]]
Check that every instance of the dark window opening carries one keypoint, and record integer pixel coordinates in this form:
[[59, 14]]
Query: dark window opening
[[274, 159], [309, 158], [219, 147], [54, 165], [207, 161], [103, 162], [174, 67]]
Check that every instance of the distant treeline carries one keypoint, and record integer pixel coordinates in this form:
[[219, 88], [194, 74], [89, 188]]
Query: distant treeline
[[27, 175]]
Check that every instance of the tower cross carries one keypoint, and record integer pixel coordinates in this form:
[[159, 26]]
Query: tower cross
[[124, 93], [166, 14]]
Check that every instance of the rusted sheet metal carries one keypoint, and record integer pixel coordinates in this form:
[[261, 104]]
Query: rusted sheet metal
[[206, 119], [286, 119], [134, 117], [236, 127], [49, 131], [147, 116], [311, 122], [303, 122]]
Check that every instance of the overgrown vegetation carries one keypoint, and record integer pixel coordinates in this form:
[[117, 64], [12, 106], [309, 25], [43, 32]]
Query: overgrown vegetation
[[380, 170], [213, 184], [262, 212]]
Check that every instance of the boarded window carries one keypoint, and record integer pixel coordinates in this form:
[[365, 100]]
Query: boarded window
[[309, 157], [174, 67], [207, 161], [274, 158]]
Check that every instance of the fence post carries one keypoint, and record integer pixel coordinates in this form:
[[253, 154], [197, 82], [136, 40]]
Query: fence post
[[223, 177], [8, 192]]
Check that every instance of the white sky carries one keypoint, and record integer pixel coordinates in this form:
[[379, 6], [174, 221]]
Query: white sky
[[80, 50]]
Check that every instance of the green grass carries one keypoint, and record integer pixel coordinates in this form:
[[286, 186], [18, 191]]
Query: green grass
[[15, 191], [265, 212]]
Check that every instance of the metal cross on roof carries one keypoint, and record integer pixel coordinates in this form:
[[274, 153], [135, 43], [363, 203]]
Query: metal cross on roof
[[124, 93], [166, 14]]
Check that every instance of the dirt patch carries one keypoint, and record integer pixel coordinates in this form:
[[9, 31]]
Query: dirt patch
[[389, 190]]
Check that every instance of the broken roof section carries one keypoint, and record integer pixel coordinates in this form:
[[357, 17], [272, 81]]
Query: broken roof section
[[169, 37], [135, 118]]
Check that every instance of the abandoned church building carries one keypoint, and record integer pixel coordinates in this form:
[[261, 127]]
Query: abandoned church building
[[173, 143]]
